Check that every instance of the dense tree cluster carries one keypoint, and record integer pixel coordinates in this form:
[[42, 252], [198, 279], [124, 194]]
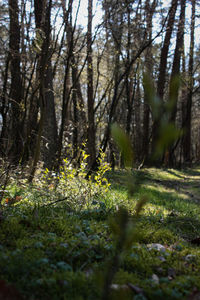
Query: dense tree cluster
[[63, 85]]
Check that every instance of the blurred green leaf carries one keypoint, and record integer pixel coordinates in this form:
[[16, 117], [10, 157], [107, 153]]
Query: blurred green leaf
[[173, 93], [150, 96], [148, 87], [168, 135], [123, 142]]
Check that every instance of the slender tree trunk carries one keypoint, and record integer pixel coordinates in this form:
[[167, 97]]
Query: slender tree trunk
[[66, 87], [91, 136], [80, 119], [130, 81], [150, 9], [173, 94], [32, 124], [42, 19], [162, 77], [188, 109], [183, 103], [4, 110], [49, 131], [47, 105], [137, 115], [16, 130], [50, 136], [165, 50]]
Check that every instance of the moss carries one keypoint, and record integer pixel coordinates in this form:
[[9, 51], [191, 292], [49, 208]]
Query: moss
[[54, 253]]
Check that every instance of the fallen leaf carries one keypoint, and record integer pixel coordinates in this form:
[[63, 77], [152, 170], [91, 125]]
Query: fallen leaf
[[13, 200]]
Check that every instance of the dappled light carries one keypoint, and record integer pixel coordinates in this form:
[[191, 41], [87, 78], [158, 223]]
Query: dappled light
[[99, 150]]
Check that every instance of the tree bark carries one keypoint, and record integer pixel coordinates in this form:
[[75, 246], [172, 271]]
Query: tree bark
[[173, 94], [91, 136], [42, 20], [150, 9], [66, 85], [162, 79], [186, 143], [15, 96]]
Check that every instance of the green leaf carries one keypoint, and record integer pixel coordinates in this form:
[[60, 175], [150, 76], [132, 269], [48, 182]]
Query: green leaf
[[173, 93], [150, 96], [168, 135], [148, 87], [124, 144]]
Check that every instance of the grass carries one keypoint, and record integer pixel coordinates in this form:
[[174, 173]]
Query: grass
[[63, 252]]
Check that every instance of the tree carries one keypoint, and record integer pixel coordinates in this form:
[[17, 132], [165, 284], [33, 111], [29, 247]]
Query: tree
[[65, 85], [162, 77], [5, 58], [15, 95], [173, 92], [187, 111], [46, 99], [149, 11], [91, 146]]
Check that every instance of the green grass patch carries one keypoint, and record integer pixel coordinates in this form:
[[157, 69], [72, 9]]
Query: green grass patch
[[64, 250]]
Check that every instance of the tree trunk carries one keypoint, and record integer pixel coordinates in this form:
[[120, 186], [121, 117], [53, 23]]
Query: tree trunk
[[150, 9], [91, 145], [4, 110], [137, 115], [79, 115], [162, 78], [188, 109], [50, 135], [42, 20], [66, 85], [16, 130], [173, 94]]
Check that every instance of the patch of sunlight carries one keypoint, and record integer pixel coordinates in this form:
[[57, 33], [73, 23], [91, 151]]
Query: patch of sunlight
[[164, 174], [152, 209], [117, 197], [176, 173], [167, 190], [183, 196], [157, 187]]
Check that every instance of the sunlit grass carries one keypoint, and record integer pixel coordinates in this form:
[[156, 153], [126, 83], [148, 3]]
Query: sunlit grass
[[50, 251]]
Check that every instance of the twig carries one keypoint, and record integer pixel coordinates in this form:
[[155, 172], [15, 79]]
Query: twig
[[54, 202]]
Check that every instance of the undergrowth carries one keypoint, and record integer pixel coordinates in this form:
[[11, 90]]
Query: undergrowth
[[60, 236]]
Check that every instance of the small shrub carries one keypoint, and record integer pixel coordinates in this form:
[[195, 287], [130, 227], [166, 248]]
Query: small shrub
[[71, 183]]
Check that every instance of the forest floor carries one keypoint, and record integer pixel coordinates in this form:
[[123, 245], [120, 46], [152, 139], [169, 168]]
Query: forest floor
[[67, 251]]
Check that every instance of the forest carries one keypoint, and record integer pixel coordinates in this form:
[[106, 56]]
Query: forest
[[99, 149]]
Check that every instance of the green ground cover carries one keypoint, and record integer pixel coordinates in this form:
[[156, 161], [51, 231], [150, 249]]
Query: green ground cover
[[70, 249]]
